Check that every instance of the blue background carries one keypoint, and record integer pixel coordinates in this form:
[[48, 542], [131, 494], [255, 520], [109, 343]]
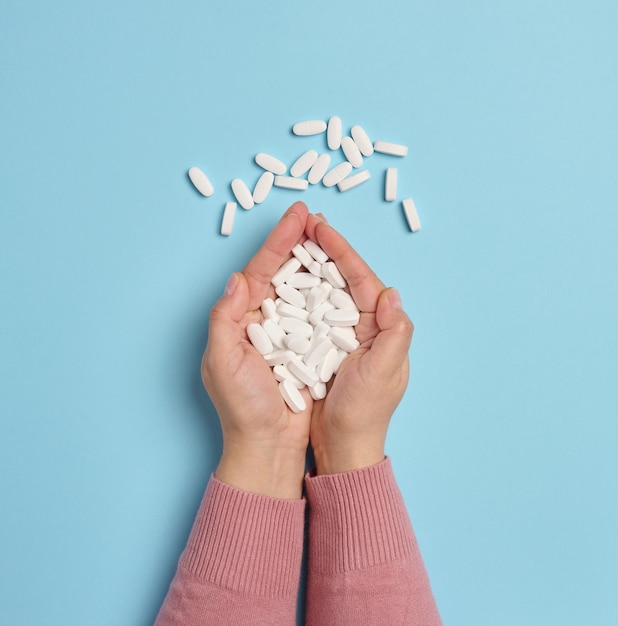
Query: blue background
[[505, 444]]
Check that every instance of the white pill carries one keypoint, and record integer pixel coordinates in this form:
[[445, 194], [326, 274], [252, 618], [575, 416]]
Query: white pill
[[284, 309], [320, 330], [337, 174], [297, 344], [390, 184], [285, 271], [326, 368], [291, 295], [275, 332], [315, 251], [302, 255], [242, 194], [309, 127], [302, 372], [333, 275], [342, 317], [342, 339], [317, 352], [316, 296], [303, 280], [269, 309], [201, 182], [270, 163], [342, 300], [394, 149], [279, 357], [333, 134], [316, 269], [317, 315], [411, 215], [289, 182], [354, 181], [229, 213], [281, 373], [341, 356], [361, 139], [351, 151], [262, 187], [304, 163], [292, 396], [259, 338], [318, 391], [296, 327], [318, 169]]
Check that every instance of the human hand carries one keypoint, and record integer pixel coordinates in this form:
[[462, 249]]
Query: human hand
[[348, 427], [264, 443]]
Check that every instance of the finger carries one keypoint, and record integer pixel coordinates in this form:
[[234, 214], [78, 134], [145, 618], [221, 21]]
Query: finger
[[275, 250], [312, 221], [391, 345], [365, 286]]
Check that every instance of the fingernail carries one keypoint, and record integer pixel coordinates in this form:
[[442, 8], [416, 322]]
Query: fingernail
[[395, 299], [230, 286], [321, 218]]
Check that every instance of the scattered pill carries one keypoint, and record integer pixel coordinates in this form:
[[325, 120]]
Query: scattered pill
[[262, 187], [394, 149], [390, 184], [292, 396], [229, 213], [361, 139], [242, 194], [309, 127], [411, 215], [337, 174], [318, 169], [201, 182], [333, 133], [259, 338], [270, 163], [304, 163], [354, 181], [289, 182], [351, 152]]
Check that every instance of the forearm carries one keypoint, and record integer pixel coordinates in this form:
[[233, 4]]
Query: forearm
[[241, 564], [364, 563]]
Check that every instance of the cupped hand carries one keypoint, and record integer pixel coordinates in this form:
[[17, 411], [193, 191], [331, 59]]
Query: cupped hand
[[348, 427], [264, 442]]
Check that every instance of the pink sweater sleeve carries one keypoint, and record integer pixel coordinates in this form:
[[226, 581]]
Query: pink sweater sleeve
[[241, 564], [364, 563]]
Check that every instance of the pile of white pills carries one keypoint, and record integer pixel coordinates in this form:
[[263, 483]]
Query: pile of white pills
[[309, 329], [315, 166]]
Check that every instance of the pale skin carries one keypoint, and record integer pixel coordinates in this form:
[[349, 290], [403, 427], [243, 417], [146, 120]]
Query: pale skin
[[264, 442]]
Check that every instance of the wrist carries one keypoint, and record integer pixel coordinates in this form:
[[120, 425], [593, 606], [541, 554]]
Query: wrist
[[340, 460], [276, 473]]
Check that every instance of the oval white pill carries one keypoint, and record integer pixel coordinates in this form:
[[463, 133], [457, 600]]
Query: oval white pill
[[326, 368], [342, 317], [342, 300], [292, 396], [281, 373], [351, 151], [411, 215], [275, 332], [317, 352], [285, 309], [269, 309], [316, 269], [341, 356], [333, 275], [296, 327], [318, 169], [302, 255], [303, 280], [333, 134], [270, 163], [315, 251], [318, 391], [394, 149], [304, 163], [285, 271], [289, 182], [354, 181], [242, 194], [317, 315], [291, 295], [361, 139], [316, 296], [302, 372], [297, 344], [320, 330], [229, 213], [309, 127], [262, 187], [342, 339], [279, 357], [201, 182], [337, 174], [259, 338]]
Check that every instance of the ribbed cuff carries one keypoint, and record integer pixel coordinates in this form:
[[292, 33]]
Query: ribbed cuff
[[246, 542], [357, 519]]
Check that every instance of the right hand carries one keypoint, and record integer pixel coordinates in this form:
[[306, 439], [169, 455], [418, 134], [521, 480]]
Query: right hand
[[348, 427]]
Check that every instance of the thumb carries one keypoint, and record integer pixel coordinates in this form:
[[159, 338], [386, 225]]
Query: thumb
[[224, 331], [392, 343]]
